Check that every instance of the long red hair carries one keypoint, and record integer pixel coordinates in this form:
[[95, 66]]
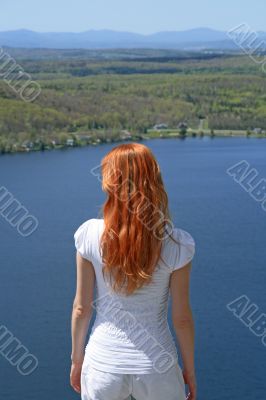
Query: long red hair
[[136, 216]]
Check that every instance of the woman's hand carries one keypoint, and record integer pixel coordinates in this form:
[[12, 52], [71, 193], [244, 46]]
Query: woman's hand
[[75, 375], [190, 380]]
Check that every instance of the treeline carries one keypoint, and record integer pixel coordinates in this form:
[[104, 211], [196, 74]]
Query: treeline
[[79, 63]]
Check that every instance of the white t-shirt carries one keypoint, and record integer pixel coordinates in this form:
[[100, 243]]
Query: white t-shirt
[[130, 334]]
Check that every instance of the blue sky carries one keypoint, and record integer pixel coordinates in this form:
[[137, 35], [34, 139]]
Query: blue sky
[[143, 16]]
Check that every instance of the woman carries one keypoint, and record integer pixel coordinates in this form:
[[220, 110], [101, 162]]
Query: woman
[[133, 257]]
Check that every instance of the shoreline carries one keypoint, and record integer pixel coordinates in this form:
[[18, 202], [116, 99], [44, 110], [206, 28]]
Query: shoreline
[[152, 134]]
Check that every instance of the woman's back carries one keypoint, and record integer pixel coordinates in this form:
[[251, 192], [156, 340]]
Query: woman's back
[[130, 333], [133, 257]]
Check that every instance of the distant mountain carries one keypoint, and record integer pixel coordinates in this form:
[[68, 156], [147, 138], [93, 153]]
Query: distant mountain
[[192, 35], [199, 38]]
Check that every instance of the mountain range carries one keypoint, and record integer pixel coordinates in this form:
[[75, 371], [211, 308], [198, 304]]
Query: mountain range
[[198, 38]]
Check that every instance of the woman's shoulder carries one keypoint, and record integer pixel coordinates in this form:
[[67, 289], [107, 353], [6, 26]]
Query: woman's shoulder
[[182, 236], [90, 223], [179, 248], [88, 228], [87, 235]]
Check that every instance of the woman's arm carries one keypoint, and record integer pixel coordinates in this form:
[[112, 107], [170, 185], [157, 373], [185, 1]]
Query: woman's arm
[[183, 324], [81, 316]]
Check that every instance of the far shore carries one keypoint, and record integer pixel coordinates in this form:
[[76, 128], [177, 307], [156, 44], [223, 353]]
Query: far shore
[[170, 133], [83, 140]]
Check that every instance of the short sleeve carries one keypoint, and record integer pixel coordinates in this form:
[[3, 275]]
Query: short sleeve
[[184, 250], [81, 238]]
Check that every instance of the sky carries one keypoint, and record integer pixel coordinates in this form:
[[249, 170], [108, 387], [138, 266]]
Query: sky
[[142, 16]]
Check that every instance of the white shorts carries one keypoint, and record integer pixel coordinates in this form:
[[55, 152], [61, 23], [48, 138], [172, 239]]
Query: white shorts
[[98, 385]]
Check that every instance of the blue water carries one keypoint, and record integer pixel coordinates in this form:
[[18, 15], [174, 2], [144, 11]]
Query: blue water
[[37, 275]]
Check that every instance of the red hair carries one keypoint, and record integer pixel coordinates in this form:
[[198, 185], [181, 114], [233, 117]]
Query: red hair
[[136, 216]]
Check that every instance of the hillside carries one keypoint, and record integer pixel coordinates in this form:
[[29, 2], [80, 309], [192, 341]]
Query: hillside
[[100, 96]]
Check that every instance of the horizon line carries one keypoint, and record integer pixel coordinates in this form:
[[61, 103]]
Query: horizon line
[[121, 31]]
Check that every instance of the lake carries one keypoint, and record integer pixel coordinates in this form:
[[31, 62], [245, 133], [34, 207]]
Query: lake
[[37, 275]]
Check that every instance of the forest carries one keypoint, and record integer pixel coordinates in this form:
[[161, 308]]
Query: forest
[[89, 97]]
